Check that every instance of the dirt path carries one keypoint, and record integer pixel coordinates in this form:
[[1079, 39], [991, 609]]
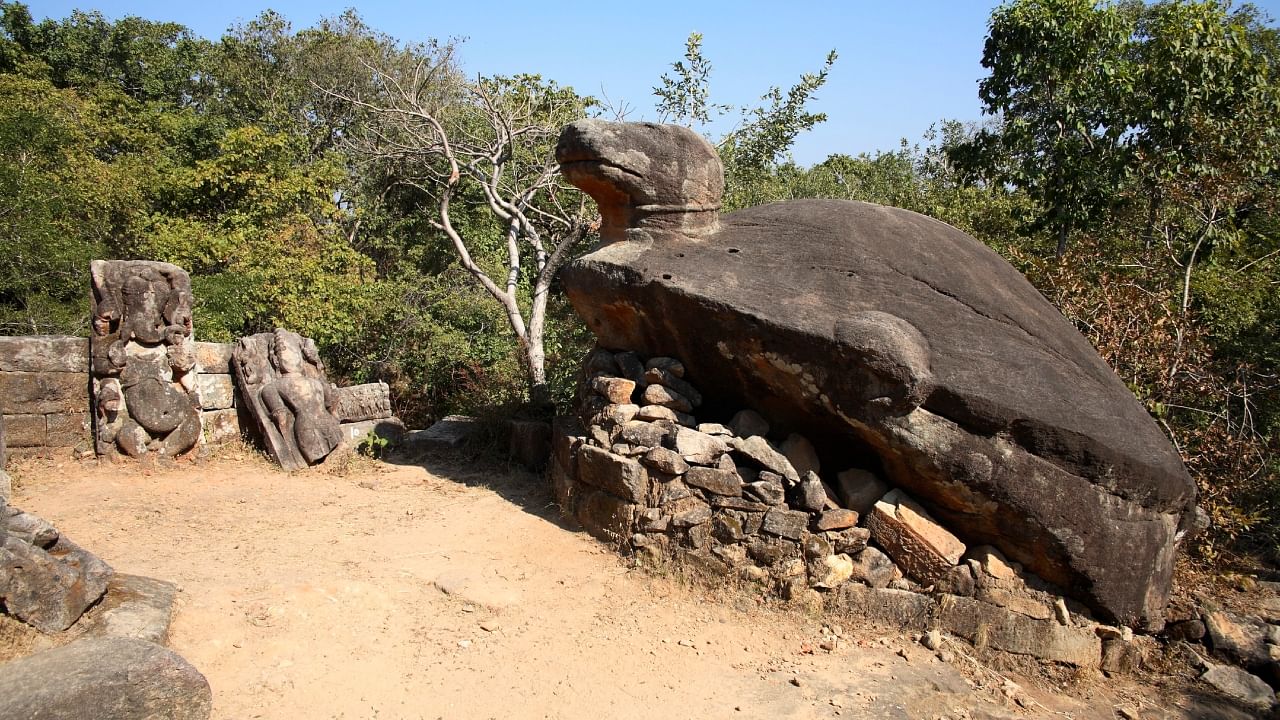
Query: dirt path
[[454, 592]]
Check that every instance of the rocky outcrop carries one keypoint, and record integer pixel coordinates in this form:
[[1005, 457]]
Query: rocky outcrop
[[886, 335], [46, 580]]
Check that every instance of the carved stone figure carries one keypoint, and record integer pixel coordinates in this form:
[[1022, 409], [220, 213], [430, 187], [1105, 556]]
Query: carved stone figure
[[142, 359], [281, 379], [883, 334]]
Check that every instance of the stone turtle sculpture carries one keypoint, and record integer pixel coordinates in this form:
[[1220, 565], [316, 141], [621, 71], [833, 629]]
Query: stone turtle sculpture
[[881, 332]]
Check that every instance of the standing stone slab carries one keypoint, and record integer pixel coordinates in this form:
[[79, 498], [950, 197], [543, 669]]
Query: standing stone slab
[[104, 679], [282, 384], [924, 549], [143, 359]]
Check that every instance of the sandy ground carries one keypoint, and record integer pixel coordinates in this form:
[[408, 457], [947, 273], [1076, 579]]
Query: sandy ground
[[454, 591]]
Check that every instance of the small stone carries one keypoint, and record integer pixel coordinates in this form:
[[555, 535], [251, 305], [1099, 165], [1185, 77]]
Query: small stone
[[837, 519], [770, 551], [747, 423], [769, 492], [631, 367], [850, 541], [932, 640], [833, 571], [738, 503], [657, 412], [674, 490], [490, 626], [785, 523], [616, 414], [644, 434], [720, 482], [689, 512], [715, 429], [658, 376], [699, 448], [800, 453], [757, 449], [753, 573], [994, 563], [732, 555], [653, 520], [959, 581], [859, 489], [809, 494], [664, 460], [685, 643], [873, 568], [671, 365], [1060, 612], [727, 529], [614, 389], [795, 680], [666, 397], [464, 644]]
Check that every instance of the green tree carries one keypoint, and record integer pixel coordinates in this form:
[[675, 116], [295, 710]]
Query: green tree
[[1056, 70]]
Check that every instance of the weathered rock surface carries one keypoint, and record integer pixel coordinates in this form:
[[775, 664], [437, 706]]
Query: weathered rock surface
[[134, 607], [46, 580], [858, 324], [105, 679], [1240, 685]]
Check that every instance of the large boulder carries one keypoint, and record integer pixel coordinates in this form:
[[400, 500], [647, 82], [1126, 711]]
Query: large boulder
[[106, 679], [878, 329]]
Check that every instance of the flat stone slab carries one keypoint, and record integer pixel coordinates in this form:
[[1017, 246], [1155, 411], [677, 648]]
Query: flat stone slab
[[217, 391], [135, 607], [453, 431], [104, 679], [44, 353], [389, 428]]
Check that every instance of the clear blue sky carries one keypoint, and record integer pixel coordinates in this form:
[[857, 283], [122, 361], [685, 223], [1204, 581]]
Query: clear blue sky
[[903, 65]]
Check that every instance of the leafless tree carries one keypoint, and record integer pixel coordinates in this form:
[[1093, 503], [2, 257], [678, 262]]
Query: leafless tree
[[488, 141]]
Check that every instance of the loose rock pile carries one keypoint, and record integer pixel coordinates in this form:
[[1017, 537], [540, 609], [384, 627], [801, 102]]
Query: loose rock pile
[[642, 471]]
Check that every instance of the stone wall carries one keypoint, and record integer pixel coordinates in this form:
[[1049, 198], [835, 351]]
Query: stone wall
[[44, 393], [219, 414], [636, 468]]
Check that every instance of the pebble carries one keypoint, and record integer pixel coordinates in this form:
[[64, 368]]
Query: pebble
[[795, 681], [490, 626], [932, 640], [464, 643]]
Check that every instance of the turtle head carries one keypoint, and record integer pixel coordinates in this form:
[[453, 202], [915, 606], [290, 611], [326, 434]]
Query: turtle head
[[644, 176]]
